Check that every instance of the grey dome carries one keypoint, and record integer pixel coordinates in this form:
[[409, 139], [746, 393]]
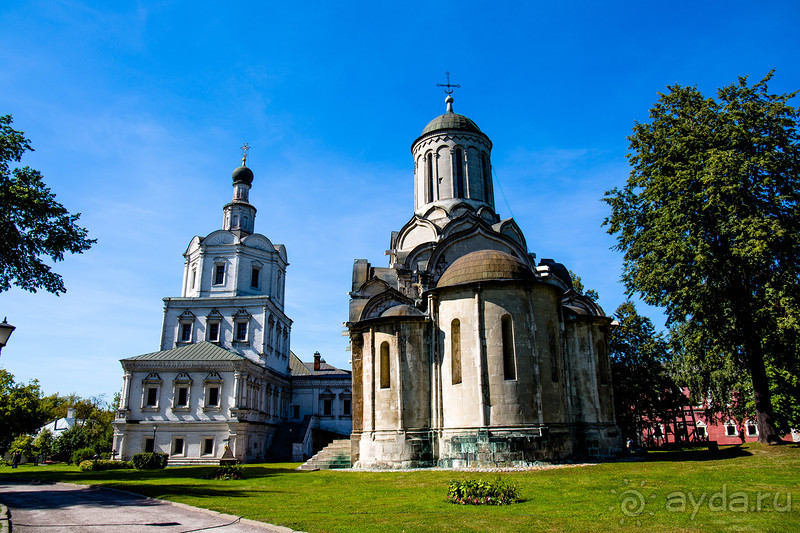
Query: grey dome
[[484, 265], [451, 121]]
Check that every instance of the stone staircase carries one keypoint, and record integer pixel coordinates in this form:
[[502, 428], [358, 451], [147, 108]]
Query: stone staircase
[[334, 455]]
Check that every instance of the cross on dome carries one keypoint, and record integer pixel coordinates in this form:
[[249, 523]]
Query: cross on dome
[[245, 148]]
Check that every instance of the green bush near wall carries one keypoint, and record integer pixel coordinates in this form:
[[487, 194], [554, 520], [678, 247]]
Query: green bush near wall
[[150, 460]]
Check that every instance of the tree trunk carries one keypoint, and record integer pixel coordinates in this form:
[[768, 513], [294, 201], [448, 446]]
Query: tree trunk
[[767, 433]]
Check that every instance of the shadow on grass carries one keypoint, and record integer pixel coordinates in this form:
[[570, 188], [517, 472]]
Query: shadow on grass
[[25, 495], [124, 475], [698, 454]]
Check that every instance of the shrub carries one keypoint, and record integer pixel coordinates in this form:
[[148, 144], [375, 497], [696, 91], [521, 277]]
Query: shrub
[[226, 472], [480, 492], [103, 464], [82, 454], [150, 460]]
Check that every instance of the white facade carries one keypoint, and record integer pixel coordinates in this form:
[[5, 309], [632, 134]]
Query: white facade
[[221, 377]]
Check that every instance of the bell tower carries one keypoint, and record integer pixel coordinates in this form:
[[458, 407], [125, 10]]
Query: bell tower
[[239, 215]]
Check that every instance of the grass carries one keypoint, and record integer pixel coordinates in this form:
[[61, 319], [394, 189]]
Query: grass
[[583, 498]]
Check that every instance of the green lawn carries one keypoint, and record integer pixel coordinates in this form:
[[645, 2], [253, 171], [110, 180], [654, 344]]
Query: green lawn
[[585, 498]]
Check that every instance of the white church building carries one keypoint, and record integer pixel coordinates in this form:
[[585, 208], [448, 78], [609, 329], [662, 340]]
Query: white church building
[[223, 376]]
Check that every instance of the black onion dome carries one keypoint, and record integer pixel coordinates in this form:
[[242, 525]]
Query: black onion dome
[[243, 175]]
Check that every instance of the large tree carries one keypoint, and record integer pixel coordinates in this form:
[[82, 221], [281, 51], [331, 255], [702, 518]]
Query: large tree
[[709, 223], [21, 409], [644, 391], [32, 223]]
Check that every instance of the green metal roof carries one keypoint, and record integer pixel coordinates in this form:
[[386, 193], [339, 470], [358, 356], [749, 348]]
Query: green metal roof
[[296, 365], [201, 351]]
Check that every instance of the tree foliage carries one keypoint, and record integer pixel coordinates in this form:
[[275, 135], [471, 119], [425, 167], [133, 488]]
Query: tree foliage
[[577, 286], [709, 224], [32, 224], [644, 391], [21, 409]]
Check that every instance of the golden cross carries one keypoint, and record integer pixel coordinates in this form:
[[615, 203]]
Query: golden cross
[[245, 148]]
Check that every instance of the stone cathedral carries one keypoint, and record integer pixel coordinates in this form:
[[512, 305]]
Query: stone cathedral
[[465, 350]]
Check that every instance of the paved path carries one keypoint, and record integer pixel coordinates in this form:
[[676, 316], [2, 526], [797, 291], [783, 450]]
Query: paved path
[[64, 507]]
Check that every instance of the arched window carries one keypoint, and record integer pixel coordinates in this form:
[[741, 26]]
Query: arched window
[[459, 173], [385, 377], [509, 364], [429, 192], [455, 351]]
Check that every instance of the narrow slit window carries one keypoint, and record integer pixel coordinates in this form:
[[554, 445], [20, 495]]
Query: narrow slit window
[[254, 275], [219, 275], [509, 365], [459, 173], [487, 177], [455, 351], [385, 377], [429, 198]]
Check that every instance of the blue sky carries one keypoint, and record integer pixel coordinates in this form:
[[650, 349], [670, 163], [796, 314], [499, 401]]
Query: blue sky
[[137, 112]]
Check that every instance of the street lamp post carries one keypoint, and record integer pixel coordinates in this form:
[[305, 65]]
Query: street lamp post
[[155, 428], [5, 332]]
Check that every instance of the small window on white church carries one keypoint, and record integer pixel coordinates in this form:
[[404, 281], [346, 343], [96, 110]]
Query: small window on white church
[[241, 331], [186, 332], [219, 275], [213, 331], [212, 396], [177, 446], [254, 275], [149, 445], [327, 407], [152, 397], [182, 396], [194, 277], [208, 446]]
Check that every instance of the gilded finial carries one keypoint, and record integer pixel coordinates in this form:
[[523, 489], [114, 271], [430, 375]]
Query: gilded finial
[[245, 148]]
